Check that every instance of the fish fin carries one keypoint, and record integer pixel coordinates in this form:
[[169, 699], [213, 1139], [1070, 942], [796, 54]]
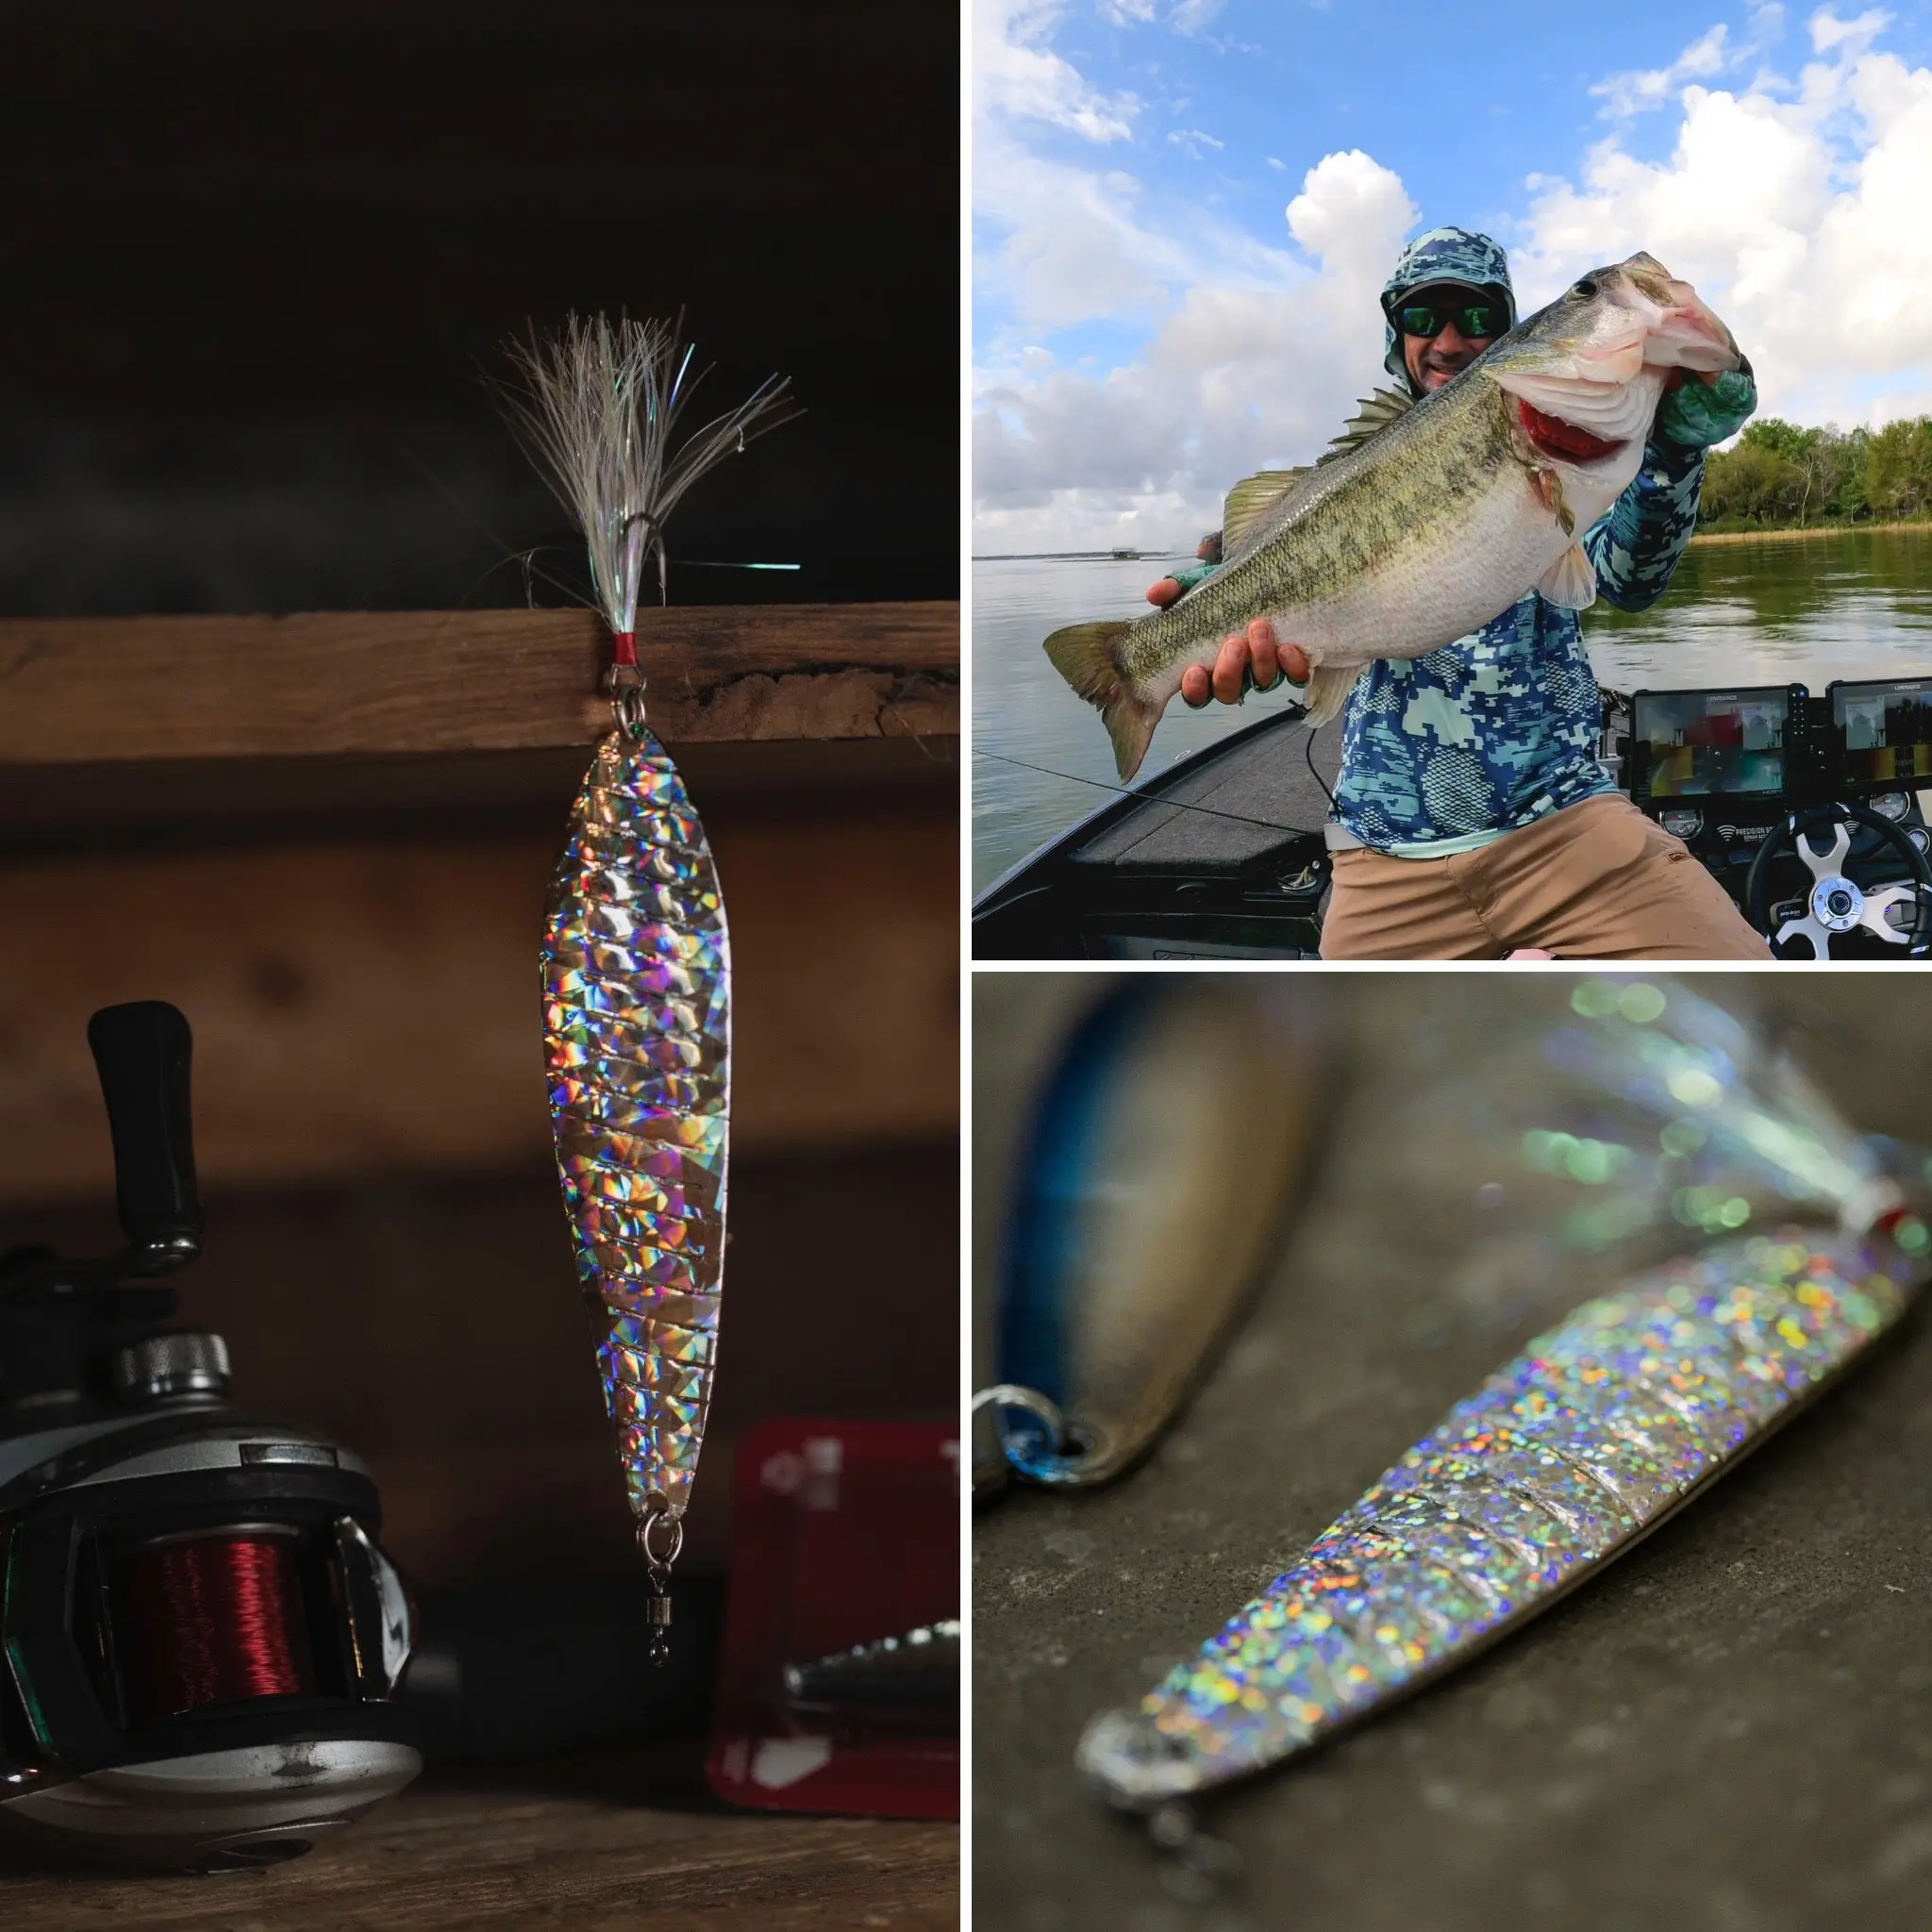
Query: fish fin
[[1372, 415], [1570, 582], [1083, 654], [1250, 500], [1549, 489], [1327, 691]]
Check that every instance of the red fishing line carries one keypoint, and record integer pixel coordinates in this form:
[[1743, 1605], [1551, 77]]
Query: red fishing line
[[215, 1619], [1556, 438]]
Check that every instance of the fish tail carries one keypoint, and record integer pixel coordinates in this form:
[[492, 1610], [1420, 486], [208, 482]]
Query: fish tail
[[1329, 691], [1083, 654]]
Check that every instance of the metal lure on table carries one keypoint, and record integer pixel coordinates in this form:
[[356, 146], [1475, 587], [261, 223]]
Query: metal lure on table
[[1562, 1460], [636, 957], [1569, 1454]]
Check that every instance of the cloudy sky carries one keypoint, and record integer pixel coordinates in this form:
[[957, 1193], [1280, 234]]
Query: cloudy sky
[[1184, 209]]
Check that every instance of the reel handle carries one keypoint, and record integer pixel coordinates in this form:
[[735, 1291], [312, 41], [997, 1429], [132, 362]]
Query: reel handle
[[144, 1051]]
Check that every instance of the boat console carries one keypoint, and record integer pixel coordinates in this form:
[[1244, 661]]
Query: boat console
[[1809, 810], [1806, 809]]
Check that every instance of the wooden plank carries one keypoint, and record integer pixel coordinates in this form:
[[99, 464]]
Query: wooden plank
[[91, 690], [584, 1847], [369, 1007]]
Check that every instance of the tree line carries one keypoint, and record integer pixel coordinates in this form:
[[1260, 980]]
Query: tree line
[[1778, 476]]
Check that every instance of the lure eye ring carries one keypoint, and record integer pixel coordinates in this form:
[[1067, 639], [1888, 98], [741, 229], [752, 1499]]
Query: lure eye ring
[[658, 1516], [629, 706], [1005, 1395]]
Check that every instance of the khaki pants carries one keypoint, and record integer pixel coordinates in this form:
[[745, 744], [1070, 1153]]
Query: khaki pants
[[1594, 881]]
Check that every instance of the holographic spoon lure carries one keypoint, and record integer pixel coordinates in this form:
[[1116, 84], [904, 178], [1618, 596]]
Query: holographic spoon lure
[[636, 958], [1561, 1462], [1568, 1456]]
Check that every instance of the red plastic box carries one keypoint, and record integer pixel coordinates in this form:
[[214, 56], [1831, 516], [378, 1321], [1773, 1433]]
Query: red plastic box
[[842, 1534]]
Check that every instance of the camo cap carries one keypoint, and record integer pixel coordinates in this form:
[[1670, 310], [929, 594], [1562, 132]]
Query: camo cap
[[1443, 254]]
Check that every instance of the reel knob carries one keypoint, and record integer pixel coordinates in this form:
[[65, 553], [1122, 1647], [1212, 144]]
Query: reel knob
[[168, 1368]]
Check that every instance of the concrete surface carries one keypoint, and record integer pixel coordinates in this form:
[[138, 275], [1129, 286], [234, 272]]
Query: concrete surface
[[1731, 1728]]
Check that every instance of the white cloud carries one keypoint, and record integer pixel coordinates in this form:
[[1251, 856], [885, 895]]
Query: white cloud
[[1070, 244], [1185, 17], [1800, 210], [1352, 212], [1624, 94], [1191, 140], [1830, 34], [1062, 239], [1237, 375], [1016, 76], [1191, 16]]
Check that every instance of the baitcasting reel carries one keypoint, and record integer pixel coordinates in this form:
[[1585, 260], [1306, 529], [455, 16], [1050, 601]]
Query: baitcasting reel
[[200, 1641]]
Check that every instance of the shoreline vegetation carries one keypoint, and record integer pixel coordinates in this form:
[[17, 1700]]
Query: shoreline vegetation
[[1781, 479], [1767, 533]]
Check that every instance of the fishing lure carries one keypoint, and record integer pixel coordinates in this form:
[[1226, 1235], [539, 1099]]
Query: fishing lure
[[636, 955], [1561, 1462], [913, 1675], [1127, 1255]]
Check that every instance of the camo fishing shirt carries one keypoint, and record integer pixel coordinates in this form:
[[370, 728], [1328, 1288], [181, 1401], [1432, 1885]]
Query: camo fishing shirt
[[1442, 752]]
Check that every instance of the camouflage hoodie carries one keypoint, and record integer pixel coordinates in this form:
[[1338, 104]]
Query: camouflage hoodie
[[1444, 753]]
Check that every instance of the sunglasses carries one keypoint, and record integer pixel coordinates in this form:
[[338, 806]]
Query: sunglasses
[[1472, 318]]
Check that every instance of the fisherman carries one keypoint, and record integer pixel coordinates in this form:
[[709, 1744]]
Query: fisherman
[[1474, 816]]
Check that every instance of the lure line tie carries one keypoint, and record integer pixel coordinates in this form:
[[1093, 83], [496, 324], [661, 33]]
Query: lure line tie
[[658, 1564]]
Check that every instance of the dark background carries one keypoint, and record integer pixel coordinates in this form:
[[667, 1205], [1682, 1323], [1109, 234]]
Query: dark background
[[255, 262]]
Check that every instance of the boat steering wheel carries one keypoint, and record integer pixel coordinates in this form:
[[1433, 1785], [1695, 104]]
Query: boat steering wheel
[[1837, 903]]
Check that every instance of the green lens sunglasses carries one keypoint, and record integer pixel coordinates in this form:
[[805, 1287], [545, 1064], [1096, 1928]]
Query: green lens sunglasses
[[1426, 320]]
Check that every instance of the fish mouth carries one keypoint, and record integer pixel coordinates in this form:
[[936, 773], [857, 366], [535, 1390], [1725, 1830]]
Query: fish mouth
[[1552, 437], [1689, 335], [1682, 331]]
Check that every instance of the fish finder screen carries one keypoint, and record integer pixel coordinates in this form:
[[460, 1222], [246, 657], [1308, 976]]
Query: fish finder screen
[[1707, 742], [1888, 728]]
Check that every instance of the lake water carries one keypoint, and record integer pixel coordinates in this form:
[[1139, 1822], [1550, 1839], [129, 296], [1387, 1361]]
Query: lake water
[[1849, 605]]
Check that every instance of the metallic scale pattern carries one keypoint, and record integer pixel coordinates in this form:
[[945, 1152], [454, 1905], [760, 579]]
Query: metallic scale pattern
[[637, 1034], [1558, 1464]]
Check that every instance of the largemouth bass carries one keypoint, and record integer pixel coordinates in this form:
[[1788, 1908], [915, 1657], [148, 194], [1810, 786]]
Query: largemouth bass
[[1436, 523]]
